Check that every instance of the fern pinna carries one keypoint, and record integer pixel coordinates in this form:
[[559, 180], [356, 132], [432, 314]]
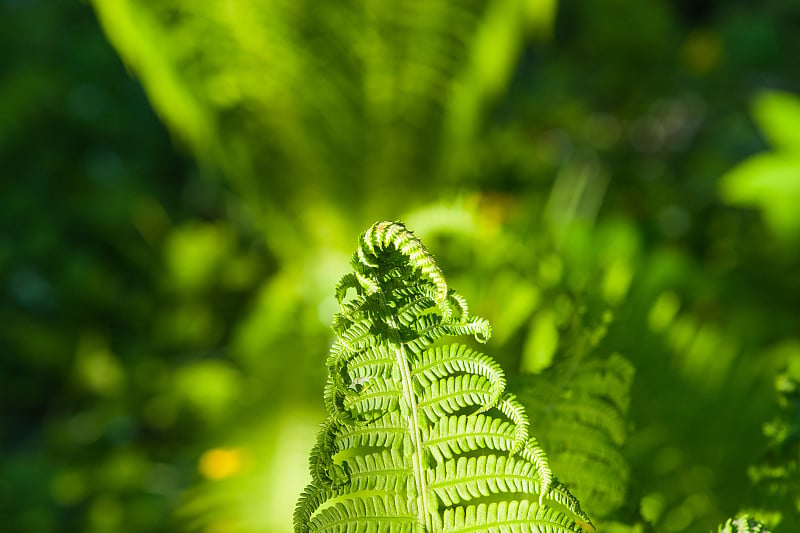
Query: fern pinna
[[421, 435]]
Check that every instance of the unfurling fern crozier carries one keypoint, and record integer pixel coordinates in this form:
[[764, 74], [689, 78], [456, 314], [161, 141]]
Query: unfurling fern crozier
[[421, 435]]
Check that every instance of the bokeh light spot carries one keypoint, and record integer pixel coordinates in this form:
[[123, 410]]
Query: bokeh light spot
[[221, 463], [68, 488], [97, 367], [702, 51], [663, 311]]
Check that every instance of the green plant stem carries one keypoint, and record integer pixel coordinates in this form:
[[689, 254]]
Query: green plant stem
[[416, 438]]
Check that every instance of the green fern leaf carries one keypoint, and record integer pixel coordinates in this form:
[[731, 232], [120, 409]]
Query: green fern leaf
[[421, 435], [743, 524], [581, 414]]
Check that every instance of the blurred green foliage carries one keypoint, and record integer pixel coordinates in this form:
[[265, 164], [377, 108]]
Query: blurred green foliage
[[770, 181], [619, 169]]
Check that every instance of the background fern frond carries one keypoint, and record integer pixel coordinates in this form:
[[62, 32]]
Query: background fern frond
[[742, 524], [359, 92], [581, 420]]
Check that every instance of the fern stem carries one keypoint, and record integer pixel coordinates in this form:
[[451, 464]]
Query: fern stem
[[415, 431], [414, 249]]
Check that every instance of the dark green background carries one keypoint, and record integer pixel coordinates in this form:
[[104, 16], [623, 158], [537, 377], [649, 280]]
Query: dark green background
[[167, 275]]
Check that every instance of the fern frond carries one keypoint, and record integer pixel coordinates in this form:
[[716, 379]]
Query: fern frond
[[366, 93], [776, 475], [742, 524], [581, 419], [421, 436]]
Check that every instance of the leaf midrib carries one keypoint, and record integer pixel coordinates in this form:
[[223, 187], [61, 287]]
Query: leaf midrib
[[401, 358]]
